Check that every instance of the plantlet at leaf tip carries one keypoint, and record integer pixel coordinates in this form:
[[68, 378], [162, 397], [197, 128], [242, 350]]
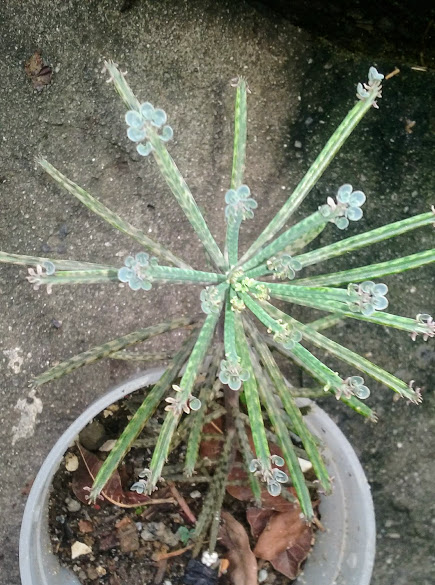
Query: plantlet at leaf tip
[[284, 266], [239, 204], [353, 386], [367, 297], [428, 322], [347, 207], [233, 373], [136, 271]]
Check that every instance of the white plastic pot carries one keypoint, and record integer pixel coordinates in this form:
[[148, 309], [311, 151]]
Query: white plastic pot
[[342, 555]]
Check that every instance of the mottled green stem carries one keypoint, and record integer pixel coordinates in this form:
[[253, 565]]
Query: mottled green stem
[[245, 451], [379, 317], [196, 421], [60, 264], [240, 132], [290, 407], [106, 349], [239, 157], [229, 329], [315, 221], [141, 416], [314, 172], [112, 218], [72, 277], [176, 409], [213, 501], [179, 275], [366, 239], [326, 322], [372, 270], [348, 356], [185, 199], [220, 481], [250, 389], [284, 442]]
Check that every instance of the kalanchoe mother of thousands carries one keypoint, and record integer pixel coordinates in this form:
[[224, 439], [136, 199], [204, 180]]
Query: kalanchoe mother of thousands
[[225, 361]]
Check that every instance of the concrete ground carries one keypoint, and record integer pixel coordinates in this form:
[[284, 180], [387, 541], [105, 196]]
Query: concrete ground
[[181, 56]]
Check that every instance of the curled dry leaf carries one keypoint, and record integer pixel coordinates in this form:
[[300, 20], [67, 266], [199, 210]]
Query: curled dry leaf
[[113, 491], [39, 73], [284, 539], [243, 564]]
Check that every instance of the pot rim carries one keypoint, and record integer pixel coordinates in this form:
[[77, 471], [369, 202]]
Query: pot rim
[[343, 555]]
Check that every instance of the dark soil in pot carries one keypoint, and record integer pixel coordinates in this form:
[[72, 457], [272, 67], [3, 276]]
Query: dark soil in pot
[[135, 544]]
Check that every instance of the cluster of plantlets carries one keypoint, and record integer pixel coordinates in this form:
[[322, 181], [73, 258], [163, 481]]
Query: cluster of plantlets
[[240, 320]]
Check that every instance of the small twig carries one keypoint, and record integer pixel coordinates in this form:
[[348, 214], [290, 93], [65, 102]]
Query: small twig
[[160, 501], [161, 570], [175, 553], [214, 425], [137, 357], [319, 525], [182, 503], [395, 71]]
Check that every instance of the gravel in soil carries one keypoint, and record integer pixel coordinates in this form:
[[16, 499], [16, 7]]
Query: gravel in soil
[[105, 543]]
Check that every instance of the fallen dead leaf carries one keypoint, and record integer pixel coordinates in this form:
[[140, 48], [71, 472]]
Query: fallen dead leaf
[[34, 64], [182, 503], [285, 541], [39, 73], [242, 567], [85, 526], [113, 490], [127, 535]]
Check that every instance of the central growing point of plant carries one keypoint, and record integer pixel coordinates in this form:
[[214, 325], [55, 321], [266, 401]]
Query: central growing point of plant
[[239, 293]]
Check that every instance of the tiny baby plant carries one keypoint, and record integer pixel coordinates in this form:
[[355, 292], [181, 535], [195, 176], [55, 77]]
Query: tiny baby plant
[[243, 381]]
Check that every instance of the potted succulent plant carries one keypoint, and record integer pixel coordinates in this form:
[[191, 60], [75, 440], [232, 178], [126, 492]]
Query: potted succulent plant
[[241, 326]]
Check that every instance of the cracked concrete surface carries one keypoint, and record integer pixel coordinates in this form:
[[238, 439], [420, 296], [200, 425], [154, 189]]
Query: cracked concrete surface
[[181, 56]]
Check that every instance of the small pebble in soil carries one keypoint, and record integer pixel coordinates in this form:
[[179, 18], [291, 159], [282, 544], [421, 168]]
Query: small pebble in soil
[[196, 494], [71, 462], [79, 549], [208, 558], [158, 531], [262, 575], [72, 505], [92, 436]]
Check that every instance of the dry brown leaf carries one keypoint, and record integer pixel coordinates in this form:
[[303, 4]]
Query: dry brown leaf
[[34, 64], [243, 564], [208, 447], [285, 541], [127, 535], [39, 73], [84, 477], [85, 526]]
